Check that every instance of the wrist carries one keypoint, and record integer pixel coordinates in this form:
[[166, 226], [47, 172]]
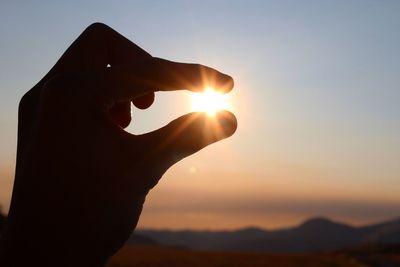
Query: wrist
[[29, 244]]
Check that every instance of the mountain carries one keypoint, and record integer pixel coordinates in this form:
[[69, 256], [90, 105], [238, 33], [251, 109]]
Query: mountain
[[140, 240], [317, 234]]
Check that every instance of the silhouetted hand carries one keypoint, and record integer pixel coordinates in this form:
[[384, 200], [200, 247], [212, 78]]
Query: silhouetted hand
[[81, 180]]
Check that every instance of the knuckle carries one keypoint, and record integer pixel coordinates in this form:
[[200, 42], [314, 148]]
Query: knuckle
[[54, 82], [57, 88], [51, 88], [26, 100], [96, 28]]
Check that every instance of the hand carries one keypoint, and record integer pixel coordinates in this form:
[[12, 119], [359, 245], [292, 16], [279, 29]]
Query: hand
[[81, 180]]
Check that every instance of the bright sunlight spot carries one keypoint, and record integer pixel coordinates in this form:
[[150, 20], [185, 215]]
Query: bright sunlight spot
[[210, 101]]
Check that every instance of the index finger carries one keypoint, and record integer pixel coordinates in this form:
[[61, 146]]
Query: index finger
[[168, 75], [131, 81]]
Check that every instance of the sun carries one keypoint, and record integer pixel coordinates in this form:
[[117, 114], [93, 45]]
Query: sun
[[210, 101]]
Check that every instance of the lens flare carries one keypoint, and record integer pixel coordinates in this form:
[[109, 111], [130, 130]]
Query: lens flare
[[210, 101]]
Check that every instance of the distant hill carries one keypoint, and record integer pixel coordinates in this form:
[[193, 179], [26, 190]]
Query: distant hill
[[137, 239], [317, 234]]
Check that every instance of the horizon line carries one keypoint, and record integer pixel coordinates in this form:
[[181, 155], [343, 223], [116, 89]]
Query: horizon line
[[392, 219]]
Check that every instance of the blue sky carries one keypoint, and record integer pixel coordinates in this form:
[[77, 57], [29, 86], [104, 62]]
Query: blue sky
[[316, 96]]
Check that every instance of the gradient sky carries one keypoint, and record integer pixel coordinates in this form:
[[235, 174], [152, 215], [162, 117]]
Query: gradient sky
[[317, 93]]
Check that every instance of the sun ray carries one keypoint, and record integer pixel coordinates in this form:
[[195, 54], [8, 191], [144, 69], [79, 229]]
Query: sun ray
[[210, 101]]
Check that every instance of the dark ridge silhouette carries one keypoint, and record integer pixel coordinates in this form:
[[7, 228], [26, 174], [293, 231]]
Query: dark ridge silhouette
[[140, 240], [317, 234]]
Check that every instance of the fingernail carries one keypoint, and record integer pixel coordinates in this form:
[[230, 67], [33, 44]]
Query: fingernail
[[226, 83], [227, 121]]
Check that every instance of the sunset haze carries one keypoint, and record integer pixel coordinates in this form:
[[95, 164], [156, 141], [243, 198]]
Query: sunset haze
[[317, 93]]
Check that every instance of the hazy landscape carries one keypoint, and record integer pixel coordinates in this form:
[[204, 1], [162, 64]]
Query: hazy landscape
[[310, 173], [317, 234], [316, 242]]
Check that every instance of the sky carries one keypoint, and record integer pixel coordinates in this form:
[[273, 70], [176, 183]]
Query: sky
[[317, 93]]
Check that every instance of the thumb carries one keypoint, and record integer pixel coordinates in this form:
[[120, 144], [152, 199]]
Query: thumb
[[187, 135]]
